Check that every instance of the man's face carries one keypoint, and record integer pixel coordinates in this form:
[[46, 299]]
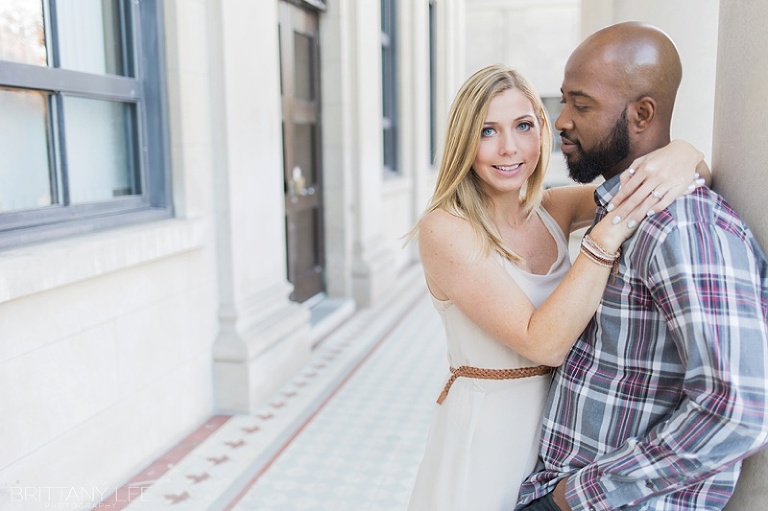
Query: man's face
[[593, 126], [584, 165]]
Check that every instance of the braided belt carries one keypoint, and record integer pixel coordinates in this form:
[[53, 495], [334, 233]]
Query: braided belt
[[491, 374]]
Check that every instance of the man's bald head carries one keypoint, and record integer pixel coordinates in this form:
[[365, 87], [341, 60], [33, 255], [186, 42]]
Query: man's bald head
[[618, 90], [636, 60]]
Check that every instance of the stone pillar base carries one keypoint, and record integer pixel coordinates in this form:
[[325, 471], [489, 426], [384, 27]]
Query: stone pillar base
[[373, 274], [258, 350]]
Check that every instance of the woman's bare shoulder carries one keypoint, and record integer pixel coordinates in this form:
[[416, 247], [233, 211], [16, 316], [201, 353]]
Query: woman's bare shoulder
[[446, 235], [440, 222]]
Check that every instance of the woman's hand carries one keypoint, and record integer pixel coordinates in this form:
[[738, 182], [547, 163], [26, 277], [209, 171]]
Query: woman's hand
[[613, 229], [660, 177]]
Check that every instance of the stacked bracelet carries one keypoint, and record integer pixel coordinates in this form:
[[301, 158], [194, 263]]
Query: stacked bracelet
[[598, 254]]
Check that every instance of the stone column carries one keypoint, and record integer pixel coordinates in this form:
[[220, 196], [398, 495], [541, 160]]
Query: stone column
[[739, 160], [263, 336], [359, 259]]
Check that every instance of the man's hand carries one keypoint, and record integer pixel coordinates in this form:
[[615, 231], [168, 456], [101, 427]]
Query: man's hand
[[559, 495]]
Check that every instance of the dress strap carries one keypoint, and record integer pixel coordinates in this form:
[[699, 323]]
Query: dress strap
[[491, 374]]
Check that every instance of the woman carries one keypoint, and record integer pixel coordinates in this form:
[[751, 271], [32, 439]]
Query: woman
[[494, 247]]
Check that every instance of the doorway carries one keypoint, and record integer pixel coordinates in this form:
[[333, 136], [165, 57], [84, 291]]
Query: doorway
[[302, 171]]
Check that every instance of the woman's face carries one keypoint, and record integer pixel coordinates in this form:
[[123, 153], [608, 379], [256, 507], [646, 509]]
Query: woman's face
[[510, 144]]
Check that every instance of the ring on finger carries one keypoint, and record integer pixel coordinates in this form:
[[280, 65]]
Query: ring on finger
[[657, 194]]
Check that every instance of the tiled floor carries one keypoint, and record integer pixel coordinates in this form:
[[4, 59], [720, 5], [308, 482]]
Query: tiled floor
[[346, 433]]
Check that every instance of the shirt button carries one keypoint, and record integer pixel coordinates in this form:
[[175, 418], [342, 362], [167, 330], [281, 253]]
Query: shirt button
[[649, 485]]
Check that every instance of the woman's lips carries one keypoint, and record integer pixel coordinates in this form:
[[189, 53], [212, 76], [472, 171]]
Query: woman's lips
[[507, 168]]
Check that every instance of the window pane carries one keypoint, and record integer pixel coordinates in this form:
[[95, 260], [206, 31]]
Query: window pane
[[25, 171], [90, 38], [304, 66], [304, 151], [100, 154], [306, 230], [22, 37]]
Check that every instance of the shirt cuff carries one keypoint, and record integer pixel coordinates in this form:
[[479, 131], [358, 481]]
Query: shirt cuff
[[587, 491]]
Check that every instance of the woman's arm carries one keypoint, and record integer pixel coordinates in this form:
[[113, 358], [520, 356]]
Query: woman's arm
[[573, 206], [484, 291], [481, 288]]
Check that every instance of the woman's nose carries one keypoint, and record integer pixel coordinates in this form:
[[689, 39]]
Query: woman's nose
[[507, 144]]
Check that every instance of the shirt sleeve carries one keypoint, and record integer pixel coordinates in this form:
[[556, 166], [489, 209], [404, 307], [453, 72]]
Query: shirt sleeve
[[707, 284]]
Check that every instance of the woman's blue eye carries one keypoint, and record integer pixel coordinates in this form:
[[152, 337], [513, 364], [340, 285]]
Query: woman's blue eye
[[525, 126], [487, 132]]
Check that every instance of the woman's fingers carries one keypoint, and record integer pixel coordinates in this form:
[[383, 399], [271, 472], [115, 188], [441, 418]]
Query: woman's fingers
[[670, 169], [653, 190]]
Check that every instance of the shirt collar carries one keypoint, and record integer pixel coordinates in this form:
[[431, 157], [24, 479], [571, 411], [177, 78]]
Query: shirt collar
[[606, 191]]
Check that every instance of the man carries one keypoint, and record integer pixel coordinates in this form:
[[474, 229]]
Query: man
[[666, 391]]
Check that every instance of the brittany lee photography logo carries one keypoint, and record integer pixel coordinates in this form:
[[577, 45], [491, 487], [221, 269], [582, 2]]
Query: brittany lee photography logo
[[72, 497]]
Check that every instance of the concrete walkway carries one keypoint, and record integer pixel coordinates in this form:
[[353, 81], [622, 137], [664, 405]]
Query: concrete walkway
[[346, 433]]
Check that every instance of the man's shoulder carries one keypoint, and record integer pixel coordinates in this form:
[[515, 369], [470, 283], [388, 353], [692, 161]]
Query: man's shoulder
[[701, 207], [698, 219]]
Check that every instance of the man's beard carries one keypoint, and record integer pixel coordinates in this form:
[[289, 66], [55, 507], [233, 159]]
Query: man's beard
[[600, 160]]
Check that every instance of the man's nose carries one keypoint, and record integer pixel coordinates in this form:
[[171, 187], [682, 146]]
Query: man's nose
[[563, 121]]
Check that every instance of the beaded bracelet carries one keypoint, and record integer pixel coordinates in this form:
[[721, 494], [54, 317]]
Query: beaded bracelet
[[596, 259], [598, 249], [597, 254]]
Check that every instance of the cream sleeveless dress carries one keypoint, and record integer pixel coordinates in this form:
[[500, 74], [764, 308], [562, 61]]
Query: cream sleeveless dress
[[483, 437]]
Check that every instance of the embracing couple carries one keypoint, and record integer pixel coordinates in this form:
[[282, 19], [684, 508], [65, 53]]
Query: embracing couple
[[634, 377]]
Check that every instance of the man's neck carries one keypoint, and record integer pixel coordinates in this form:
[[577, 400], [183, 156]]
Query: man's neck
[[638, 151]]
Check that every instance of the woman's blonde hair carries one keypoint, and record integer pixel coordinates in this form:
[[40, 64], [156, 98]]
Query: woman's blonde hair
[[458, 189]]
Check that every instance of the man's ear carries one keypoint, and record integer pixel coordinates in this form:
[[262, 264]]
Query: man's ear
[[643, 112]]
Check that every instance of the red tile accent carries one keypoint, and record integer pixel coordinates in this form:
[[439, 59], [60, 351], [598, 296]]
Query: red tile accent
[[134, 488], [237, 444], [175, 499], [198, 478]]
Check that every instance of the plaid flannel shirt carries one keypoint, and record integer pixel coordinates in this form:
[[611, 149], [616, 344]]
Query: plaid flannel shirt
[[667, 389]]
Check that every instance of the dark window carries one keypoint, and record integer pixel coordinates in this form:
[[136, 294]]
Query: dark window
[[432, 83], [83, 130], [389, 83]]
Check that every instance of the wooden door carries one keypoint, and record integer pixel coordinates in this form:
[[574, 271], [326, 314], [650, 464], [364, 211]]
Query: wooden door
[[300, 89]]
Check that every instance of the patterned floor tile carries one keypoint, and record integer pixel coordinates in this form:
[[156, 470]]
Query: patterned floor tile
[[347, 432], [362, 450]]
